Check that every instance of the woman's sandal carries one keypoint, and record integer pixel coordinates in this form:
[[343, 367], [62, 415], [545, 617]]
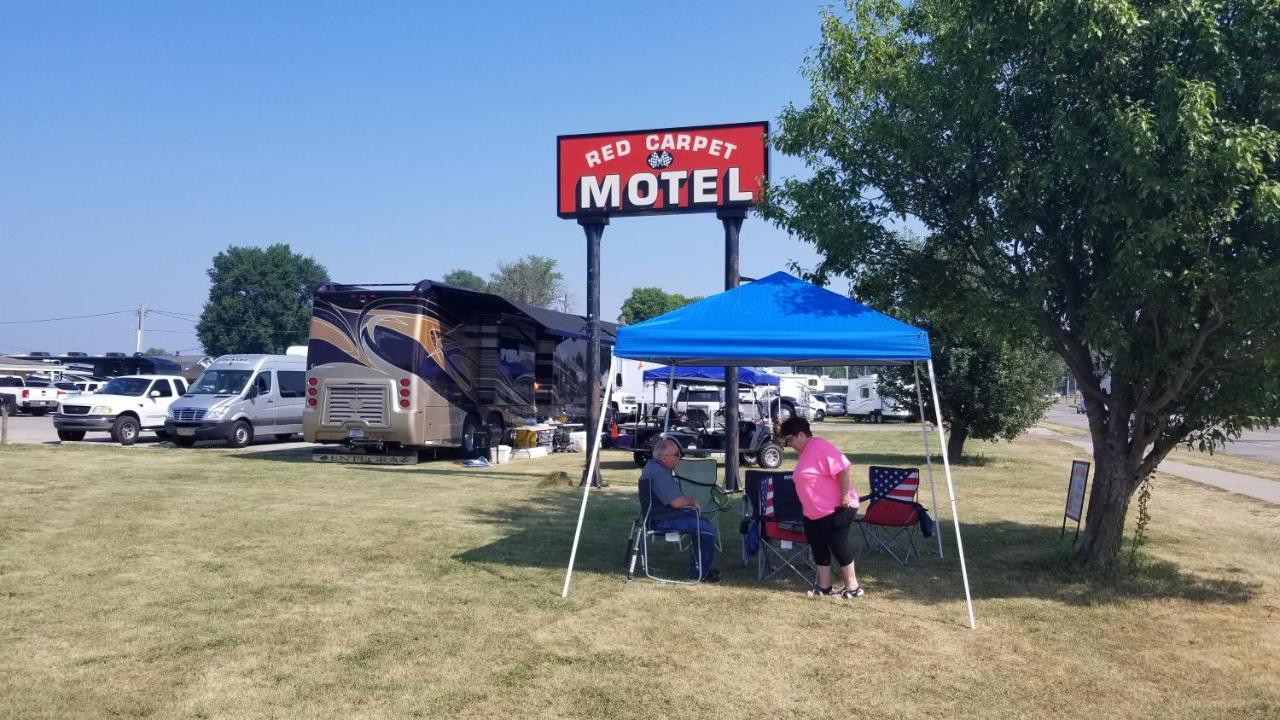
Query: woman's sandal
[[850, 593], [820, 592]]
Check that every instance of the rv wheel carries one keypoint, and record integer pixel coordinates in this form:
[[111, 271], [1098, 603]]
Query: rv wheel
[[470, 435], [641, 458]]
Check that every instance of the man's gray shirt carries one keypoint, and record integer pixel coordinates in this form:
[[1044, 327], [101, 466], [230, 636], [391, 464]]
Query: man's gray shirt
[[663, 487]]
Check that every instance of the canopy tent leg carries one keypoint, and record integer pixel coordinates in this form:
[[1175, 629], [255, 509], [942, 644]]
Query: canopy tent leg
[[928, 456], [591, 466], [666, 416], [955, 516]]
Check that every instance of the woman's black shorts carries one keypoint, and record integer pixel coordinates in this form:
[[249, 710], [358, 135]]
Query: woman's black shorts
[[829, 536]]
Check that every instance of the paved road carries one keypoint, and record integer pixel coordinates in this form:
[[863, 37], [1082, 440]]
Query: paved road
[[25, 429], [1261, 445]]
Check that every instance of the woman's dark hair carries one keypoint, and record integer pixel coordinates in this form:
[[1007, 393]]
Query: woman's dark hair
[[793, 425]]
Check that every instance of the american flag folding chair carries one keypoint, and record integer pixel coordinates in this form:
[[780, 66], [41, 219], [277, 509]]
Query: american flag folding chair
[[892, 518], [774, 524]]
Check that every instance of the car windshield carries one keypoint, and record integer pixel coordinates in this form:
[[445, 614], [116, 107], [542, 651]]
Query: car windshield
[[126, 386], [219, 382], [39, 383], [10, 382]]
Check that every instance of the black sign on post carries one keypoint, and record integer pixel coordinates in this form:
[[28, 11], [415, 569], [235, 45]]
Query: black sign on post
[[1075, 497]]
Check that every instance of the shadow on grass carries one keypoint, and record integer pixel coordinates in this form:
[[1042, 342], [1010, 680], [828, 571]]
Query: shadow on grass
[[916, 460], [1005, 559], [303, 455]]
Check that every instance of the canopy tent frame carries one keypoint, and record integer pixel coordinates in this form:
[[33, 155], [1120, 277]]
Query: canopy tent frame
[[894, 336]]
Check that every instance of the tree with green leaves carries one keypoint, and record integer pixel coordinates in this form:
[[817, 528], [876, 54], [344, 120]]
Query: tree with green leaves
[[155, 351], [466, 279], [1100, 175], [650, 302], [259, 300], [532, 279], [991, 384]]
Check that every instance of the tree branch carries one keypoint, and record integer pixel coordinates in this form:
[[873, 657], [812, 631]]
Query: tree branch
[[1211, 324]]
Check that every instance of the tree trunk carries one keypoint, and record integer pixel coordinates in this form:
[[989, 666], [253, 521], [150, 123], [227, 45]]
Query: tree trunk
[[956, 436], [1114, 481]]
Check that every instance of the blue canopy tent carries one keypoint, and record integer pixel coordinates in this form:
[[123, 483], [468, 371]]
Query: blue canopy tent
[[714, 375], [782, 320]]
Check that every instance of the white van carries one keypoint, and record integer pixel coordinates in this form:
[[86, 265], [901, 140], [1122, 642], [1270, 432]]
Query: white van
[[239, 397]]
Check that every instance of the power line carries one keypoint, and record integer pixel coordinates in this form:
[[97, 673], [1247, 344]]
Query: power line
[[68, 317], [175, 316]]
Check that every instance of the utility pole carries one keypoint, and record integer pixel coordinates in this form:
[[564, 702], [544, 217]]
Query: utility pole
[[137, 340]]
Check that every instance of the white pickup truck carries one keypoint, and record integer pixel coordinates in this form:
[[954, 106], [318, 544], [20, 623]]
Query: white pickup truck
[[124, 407], [18, 397]]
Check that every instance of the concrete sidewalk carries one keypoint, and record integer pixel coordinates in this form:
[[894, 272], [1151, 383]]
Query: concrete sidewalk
[[1256, 487]]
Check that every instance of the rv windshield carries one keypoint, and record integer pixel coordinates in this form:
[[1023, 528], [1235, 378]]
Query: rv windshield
[[219, 382], [126, 386]]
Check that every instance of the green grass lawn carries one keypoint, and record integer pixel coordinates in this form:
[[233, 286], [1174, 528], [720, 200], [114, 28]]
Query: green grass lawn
[[152, 582]]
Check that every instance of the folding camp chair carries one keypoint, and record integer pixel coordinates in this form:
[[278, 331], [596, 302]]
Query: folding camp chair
[[893, 517], [698, 479], [774, 525], [644, 539]]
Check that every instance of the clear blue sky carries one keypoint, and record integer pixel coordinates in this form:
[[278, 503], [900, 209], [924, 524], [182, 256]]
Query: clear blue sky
[[392, 142]]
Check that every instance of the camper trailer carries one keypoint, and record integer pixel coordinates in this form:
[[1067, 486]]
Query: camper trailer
[[864, 402], [395, 368]]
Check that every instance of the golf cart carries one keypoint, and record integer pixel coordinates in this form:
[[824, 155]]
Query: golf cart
[[698, 436]]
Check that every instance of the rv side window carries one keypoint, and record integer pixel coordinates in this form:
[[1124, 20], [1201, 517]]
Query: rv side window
[[292, 383], [262, 383], [509, 350], [864, 393]]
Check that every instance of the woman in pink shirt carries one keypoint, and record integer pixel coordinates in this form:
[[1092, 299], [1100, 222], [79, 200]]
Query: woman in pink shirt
[[830, 504]]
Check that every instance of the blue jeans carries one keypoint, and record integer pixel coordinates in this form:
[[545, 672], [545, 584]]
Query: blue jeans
[[706, 534]]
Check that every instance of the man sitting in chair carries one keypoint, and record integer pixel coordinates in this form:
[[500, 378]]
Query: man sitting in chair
[[673, 511]]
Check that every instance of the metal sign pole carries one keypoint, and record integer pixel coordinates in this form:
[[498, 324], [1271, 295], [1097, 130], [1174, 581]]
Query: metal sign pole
[[593, 226], [732, 219]]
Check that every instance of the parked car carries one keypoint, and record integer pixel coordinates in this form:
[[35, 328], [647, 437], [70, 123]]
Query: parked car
[[240, 396], [62, 388], [817, 408], [36, 397], [124, 407], [835, 404]]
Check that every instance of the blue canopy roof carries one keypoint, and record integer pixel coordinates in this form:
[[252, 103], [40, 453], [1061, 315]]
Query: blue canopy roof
[[777, 320], [746, 375]]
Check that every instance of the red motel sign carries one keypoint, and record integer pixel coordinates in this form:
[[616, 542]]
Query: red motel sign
[[672, 170]]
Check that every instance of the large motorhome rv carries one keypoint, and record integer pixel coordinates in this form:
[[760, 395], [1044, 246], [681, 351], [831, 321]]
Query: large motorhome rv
[[402, 367]]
